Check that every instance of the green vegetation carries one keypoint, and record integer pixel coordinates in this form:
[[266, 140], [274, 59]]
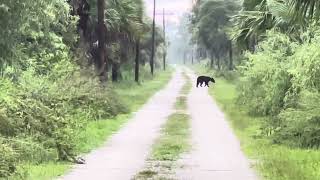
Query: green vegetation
[[56, 99], [268, 83], [181, 102], [274, 162], [95, 133], [168, 148], [131, 93], [187, 86], [174, 140]]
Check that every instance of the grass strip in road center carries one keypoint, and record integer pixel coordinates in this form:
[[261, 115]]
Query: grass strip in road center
[[173, 142]]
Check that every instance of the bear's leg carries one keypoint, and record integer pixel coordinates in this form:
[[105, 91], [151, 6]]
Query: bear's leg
[[207, 83]]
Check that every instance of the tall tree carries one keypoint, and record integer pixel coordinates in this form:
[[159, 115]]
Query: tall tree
[[101, 41], [137, 61], [138, 34], [164, 39], [211, 19], [153, 38]]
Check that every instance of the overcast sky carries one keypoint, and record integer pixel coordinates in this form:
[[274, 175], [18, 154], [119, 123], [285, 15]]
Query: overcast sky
[[175, 8]]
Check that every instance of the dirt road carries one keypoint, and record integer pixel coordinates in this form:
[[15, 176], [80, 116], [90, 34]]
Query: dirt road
[[216, 153], [125, 153]]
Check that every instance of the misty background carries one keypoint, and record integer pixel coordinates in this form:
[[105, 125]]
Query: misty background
[[177, 34]]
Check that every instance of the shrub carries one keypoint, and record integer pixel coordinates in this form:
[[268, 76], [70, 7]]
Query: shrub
[[8, 160], [46, 112], [300, 127], [266, 79], [281, 80]]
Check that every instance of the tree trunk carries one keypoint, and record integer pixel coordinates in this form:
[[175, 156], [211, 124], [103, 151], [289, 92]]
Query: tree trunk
[[136, 69], [218, 61], [164, 39], [101, 41], [115, 71], [164, 60], [192, 56], [211, 60], [230, 56], [153, 38]]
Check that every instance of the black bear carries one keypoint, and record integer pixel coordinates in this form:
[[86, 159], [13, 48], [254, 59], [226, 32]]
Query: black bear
[[204, 79]]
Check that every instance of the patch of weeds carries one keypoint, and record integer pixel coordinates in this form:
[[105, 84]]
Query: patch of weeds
[[181, 103], [175, 139], [146, 174]]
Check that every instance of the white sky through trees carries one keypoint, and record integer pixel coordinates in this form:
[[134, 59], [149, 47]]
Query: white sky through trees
[[174, 7]]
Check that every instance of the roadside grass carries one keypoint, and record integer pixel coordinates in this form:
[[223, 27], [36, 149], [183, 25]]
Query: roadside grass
[[173, 142], [97, 132], [273, 162], [45, 171], [136, 95]]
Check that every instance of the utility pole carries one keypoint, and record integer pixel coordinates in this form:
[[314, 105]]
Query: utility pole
[[164, 39], [153, 34]]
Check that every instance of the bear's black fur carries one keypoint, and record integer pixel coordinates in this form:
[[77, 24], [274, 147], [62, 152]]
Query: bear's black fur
[[204, 79]]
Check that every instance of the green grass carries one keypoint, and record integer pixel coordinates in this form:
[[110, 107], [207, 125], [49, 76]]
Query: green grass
[[174, 140], [273, 162], [147, 174], [136, 95], [187, 86], [97, 132], [175, 133], [181, 103], [45, 171]]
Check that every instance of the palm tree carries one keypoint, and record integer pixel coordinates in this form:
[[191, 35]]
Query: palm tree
[[126, 26], [305, 8], [101, 40], [153, 38], [258, 16]]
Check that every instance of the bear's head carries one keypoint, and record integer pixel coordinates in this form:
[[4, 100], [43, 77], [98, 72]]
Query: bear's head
[[212, 80]]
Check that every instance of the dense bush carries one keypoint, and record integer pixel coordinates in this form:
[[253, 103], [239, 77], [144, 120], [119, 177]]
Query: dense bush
[[266, 79], [8, 160], [281, 80], [301, 126], [41, 114]]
